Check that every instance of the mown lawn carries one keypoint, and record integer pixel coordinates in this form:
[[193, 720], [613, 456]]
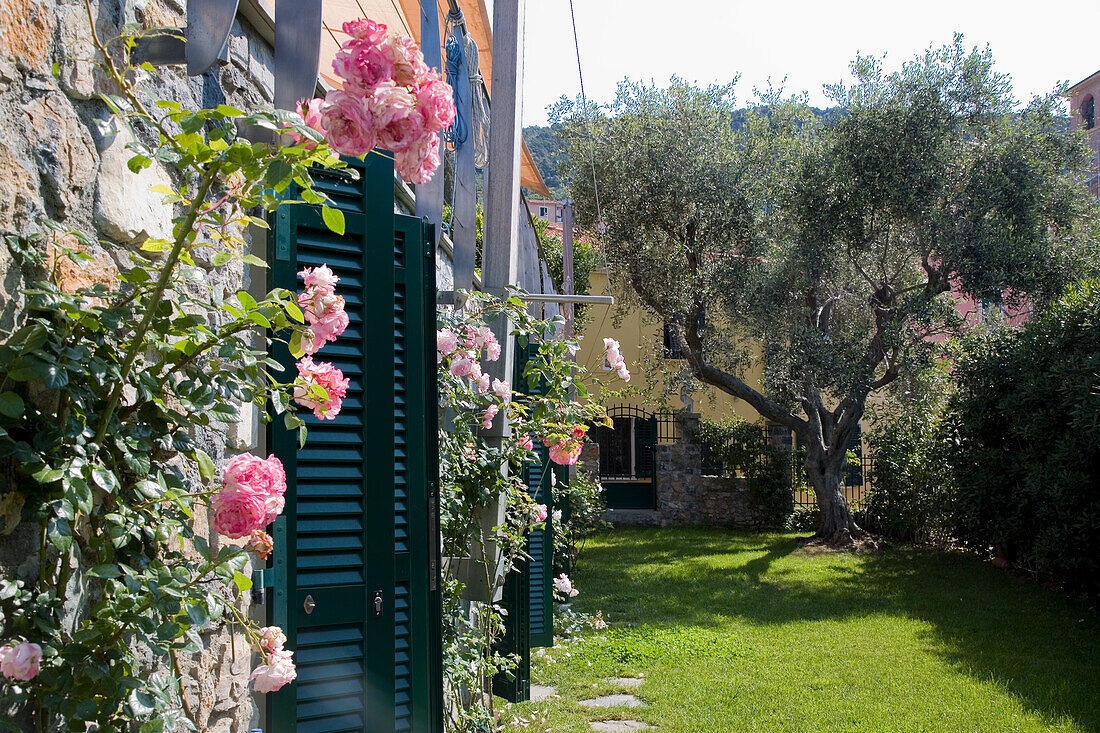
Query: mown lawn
[[748, 632]]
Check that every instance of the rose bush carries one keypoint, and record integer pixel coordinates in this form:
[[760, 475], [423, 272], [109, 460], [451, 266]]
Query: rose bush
[[106, 394]]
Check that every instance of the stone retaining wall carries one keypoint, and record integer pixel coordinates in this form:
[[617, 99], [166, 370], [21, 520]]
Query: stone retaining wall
[[58, 160]]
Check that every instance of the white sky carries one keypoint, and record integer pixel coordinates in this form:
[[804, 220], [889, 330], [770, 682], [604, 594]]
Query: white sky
[[811, 43]]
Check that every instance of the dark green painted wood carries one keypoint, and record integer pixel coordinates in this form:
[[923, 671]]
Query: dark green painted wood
[[515, 686], [645, 446], [415, 499], [540, 542], [356, 522]]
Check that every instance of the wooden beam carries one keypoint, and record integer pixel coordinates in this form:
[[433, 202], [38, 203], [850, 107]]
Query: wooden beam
[[500, 255], [429, 196]]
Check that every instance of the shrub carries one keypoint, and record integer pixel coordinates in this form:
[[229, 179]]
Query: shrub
[[1024, 448], [910, 483], [744, 447]]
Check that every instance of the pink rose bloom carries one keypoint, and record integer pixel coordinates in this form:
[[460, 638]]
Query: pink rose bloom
[[579, 431], [492, 351], [278, 671], [409, 68], [540, 512], [320, 387], [349, 125], [483, 384], [324, 310], [564, 586], [20, 661], [565, 453], [461, 367], [398, 124], [475, 371], [446, 341], [624, 374], [524, 441], [435, 102], [502, 389], [252, 473], [238, 511], [261, 543], [470, 339], [311, 115], [483, 335], [490, 413], [319, 277], [417, 163], [272, 639], [365, 29], [273, 507], [614, 356], [363, 65]]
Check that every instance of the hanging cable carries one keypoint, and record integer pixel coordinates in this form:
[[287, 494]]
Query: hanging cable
[[587, 122]]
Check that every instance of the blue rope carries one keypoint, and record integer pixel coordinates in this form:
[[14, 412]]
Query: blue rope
[[458, 132]]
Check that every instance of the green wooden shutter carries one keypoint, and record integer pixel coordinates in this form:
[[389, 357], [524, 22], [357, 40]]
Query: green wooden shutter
[[418, 682], [540, 542], [645, 444], [358, 492]]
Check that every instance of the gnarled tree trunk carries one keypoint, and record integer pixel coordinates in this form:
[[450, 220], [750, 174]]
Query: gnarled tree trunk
[[826, 469]]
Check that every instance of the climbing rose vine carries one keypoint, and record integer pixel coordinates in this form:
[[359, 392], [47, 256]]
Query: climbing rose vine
[[389, 99], [111, 394]]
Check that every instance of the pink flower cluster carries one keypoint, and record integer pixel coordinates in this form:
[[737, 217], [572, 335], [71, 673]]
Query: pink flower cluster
[[311, 115], [615, 358], [565, 452], [563, 587], [464, 352], [390, 98], [278, 668], [323, 308], [320, 386], [20, 661], [251, 496], [539, 513]]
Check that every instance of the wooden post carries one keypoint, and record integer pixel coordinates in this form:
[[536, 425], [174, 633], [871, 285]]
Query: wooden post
[[500, 262], [429, 196], [464, 215], [567, 263]]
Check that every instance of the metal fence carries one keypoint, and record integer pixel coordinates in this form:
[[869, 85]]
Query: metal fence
[[668, 427]]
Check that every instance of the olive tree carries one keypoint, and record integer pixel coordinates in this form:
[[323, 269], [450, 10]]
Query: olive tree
[[831, 246]]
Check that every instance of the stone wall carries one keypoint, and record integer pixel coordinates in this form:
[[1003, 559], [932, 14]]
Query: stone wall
[[58, 160], [686, 497]]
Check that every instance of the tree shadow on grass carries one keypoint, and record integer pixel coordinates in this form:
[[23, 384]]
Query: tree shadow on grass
[[1039, 645]]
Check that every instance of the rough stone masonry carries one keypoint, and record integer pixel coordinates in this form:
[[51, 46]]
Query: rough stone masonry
[[58, 160]]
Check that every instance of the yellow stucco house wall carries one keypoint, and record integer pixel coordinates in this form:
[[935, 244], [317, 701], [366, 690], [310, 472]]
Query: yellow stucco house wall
[[655, 380]]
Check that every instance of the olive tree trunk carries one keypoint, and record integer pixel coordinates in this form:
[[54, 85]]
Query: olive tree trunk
[[826, 469]]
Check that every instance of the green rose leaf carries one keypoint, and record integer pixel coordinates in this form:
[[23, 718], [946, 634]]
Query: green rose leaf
[[206, 465], [334, 219], [11, 404], [242, 581]]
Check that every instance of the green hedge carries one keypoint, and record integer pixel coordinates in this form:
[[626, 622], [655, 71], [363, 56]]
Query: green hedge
[[1023, 441]]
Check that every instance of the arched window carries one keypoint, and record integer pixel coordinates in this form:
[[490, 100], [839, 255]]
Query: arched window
[[1088, 113]]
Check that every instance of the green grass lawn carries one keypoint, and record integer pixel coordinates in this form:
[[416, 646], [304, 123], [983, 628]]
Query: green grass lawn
[[748, 632]]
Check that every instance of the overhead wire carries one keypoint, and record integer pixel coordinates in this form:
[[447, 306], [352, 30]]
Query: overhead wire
[[591, 159]]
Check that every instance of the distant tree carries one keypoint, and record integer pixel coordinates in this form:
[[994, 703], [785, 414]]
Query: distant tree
[[547, 148], [832, 241]]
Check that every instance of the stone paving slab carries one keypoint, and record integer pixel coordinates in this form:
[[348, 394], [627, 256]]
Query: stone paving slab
[[542, 692], [613, 701], [627, 682], [613, 726]]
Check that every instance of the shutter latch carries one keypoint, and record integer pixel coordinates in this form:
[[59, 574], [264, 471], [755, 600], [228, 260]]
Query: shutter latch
[[376, 603]]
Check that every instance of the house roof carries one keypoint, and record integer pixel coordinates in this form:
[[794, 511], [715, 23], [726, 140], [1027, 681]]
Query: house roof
[[404, 16], [1073, 89]]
